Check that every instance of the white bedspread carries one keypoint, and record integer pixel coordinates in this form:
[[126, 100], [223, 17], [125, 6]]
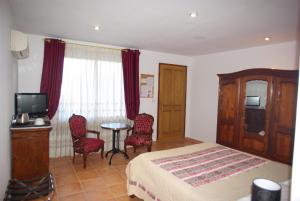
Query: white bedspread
[[149, 177]]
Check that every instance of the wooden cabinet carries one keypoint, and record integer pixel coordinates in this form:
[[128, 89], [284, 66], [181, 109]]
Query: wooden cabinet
[[30, 152], [265, 126]]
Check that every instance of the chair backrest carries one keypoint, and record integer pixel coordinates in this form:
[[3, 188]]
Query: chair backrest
[[143, 124], [77, 125]]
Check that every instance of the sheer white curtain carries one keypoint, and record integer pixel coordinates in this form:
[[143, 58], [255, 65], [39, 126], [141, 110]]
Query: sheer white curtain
[[92, 86]]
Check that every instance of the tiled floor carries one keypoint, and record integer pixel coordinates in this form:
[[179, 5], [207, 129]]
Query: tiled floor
[[99, 181]]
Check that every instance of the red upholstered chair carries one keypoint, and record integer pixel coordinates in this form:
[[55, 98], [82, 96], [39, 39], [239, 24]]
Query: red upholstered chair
[[82, 144], [141, 132]]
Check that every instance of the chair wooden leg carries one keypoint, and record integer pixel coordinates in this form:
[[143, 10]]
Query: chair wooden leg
[[134, 149], [84, 160], [149, 148], [125, 148], [102, 150], [73, 156]]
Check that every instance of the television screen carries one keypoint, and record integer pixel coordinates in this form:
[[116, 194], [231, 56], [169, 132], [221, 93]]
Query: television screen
[[35, 104], [252, 101]]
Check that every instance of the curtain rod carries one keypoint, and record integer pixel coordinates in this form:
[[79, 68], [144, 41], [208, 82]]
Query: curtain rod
[[87, 44]]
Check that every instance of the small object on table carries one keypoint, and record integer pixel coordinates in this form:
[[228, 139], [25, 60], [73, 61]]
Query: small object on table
[[115, 127], [39, 121]]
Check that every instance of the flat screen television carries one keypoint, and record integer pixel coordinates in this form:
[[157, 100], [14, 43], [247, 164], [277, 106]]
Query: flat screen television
[[35, 104], [252, 101]]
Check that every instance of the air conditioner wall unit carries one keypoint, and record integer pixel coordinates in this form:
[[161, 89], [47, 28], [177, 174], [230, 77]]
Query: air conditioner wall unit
[[19, 44]]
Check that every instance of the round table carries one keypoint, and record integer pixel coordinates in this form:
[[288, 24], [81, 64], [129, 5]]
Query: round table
[[115, 127]]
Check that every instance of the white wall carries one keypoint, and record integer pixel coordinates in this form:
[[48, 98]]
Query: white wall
[[30, 71], [204, 87], [8, 83]]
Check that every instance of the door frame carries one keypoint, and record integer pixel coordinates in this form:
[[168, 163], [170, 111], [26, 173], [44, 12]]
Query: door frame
[[158, 99]]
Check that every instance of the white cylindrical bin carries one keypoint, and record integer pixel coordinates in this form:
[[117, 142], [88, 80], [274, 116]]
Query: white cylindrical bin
[[265, 190]]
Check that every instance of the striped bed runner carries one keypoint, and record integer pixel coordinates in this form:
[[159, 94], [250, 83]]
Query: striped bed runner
[[208, 165]]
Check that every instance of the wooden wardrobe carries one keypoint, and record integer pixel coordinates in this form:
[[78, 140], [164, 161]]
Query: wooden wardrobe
[[257, 110]]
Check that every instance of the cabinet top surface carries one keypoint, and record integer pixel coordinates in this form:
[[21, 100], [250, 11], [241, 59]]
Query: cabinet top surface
[[30, 125], [261, 71], [33, 127]]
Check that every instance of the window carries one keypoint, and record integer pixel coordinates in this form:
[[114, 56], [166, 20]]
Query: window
[[92, 86], [93, 89]]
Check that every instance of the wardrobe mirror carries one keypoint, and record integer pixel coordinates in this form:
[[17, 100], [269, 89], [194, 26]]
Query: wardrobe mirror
[[255, 106]]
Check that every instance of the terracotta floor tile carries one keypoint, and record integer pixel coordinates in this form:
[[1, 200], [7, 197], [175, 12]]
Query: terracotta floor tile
[[66, 179], [120, 168], [109, 169], [79, 168], [78, 165], [100, 165], [54, 198], [123, 175], [68, 189], [60, 162], [118, 159], [112, 180], [63, 171], [100, 195], [93, 184], [119, 189], [87, 174], [74, 197]]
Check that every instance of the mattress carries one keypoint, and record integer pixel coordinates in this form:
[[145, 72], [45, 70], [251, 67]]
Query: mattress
[[201, 172]]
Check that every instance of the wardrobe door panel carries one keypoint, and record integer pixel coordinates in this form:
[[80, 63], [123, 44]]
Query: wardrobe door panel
[[227, 116], [286, 103], [283, 147], [253, 145], [284, 119], [226, 134], [254, 110]]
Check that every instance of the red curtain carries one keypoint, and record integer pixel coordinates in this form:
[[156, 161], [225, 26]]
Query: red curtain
[[54, 53], [130, 61]]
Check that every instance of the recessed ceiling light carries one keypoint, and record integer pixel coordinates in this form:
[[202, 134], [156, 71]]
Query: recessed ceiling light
[[96, 27], [193, 14], [267, 38]]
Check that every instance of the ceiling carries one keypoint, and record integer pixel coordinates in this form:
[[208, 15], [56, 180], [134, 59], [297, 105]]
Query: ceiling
[[162, 25]]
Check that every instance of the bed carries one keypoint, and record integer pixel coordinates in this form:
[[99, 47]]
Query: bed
[[201, 172]]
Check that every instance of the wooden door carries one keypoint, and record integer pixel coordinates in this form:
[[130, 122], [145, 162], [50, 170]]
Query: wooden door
[[171, 102], [284, 119], [227, 129]]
